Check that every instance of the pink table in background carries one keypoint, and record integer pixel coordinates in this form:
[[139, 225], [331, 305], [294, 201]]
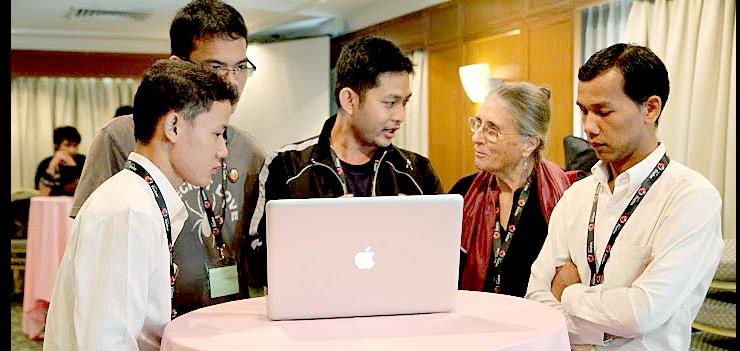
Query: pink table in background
[[481, 321], [49, 227]]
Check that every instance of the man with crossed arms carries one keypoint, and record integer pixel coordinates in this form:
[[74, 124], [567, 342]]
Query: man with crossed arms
[[632, 248]]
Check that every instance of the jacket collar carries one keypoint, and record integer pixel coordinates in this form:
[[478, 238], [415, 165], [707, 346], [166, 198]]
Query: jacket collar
[[322, 152]]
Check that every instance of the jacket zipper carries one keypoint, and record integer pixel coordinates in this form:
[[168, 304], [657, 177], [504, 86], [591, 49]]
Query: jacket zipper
[[344, 187], [406, 174], [375, 171]]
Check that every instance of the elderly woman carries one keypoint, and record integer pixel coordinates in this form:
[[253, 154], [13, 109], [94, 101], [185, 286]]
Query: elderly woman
[[508, 205]]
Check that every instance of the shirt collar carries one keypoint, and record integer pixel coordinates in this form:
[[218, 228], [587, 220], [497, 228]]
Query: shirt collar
[[634, 175], [172, 199]]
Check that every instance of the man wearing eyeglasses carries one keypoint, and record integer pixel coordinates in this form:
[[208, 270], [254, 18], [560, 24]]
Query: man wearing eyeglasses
[[207, 252], [353, 155]]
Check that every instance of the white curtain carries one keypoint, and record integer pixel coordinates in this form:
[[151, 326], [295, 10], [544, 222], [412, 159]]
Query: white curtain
[[696, 40], [40, 104], [414, 132], [601, 26]]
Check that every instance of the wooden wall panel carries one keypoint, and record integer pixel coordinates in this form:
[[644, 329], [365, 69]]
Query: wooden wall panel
[[551, 63], [506, 53], [446, 114], [444, 23], [79, 64], [547, 5], [409, 34], [484, 15]]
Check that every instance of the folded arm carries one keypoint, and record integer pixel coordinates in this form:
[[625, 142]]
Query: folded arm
[[686, 252]]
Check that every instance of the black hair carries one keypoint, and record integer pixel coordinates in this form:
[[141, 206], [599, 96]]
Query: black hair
[[362, 61], [124, 110], [68, 133], [174, 85], [203, 20], [643, 72]]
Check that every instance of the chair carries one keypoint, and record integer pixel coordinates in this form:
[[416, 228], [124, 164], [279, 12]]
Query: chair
[[717, 315], [579, 155], [17, 263], [20, 202]]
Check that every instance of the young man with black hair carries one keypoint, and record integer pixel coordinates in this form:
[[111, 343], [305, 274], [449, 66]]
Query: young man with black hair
[[58, 174], [115, 285], [353, 155], [213, 34], [632, 248]]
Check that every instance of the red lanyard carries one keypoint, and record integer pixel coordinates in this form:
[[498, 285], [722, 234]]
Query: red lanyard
[[498, 249], [138, 169], [597, 276]]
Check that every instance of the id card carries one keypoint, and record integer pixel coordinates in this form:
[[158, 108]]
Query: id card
[[223, 281]]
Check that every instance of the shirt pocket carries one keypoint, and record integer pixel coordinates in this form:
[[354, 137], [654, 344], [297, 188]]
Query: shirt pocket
[[625, 265]]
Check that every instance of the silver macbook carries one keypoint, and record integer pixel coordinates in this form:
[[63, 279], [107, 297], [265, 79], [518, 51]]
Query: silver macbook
[[345, 257]]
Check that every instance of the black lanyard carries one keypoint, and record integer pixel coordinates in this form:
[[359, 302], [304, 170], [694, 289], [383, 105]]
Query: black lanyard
[[597, 277], [498, 249], [341, 173], [216, 222], [138, 169]]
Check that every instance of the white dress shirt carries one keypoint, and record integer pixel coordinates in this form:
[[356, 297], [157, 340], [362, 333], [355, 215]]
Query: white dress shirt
[[112, 291], [676, 228]]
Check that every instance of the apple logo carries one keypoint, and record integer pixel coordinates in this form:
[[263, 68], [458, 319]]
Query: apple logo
[[364, 259]]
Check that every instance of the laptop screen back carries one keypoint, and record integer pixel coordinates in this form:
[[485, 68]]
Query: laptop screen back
[[342, 257]]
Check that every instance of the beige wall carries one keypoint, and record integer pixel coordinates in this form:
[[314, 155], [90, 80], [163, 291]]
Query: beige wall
[[287, 98]]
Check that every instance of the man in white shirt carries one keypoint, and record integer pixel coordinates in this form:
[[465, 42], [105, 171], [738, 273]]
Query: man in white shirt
[[116, 281], [632, 248]]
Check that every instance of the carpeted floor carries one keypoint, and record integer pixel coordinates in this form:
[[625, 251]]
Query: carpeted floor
[[18, 340]]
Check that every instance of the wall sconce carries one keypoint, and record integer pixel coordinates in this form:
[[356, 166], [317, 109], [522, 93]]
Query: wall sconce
[[477, 82]]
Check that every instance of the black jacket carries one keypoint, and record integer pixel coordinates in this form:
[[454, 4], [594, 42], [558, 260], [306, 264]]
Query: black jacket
[[306, 170]]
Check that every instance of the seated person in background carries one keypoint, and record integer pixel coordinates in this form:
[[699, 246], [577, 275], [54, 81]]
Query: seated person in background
[[58, 174], [115, 285], [353, 155], [509, 203], [633, 247]]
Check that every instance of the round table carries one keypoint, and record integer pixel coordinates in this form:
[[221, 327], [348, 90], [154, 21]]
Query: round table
[[49, 227], [481, 321]]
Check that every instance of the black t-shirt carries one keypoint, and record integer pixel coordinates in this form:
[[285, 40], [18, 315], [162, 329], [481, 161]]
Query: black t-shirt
[[463, 184], [66, 183], [525, 246], [358, 177]]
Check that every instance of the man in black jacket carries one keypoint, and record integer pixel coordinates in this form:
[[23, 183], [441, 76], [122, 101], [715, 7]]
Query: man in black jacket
[[353, 155]]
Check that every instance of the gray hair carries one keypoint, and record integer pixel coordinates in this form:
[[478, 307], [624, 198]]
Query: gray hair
[[530, 107]]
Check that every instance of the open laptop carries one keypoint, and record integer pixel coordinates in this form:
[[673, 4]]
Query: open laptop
[[345, 257]]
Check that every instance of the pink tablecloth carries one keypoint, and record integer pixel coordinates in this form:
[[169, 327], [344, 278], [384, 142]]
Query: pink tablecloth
[[49, 227], [481, 321]]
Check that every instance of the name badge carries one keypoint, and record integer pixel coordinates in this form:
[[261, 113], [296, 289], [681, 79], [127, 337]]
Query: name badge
[[223, 281]]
